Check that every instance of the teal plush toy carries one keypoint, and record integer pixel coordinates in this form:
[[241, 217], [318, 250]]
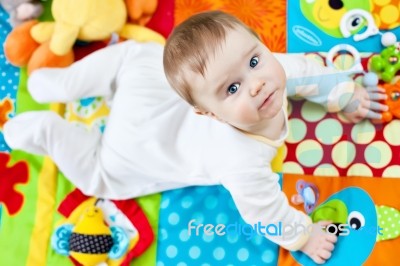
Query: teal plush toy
[[387, 63]]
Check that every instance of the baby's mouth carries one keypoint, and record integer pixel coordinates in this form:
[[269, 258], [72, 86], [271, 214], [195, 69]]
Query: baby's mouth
[[266, 101]]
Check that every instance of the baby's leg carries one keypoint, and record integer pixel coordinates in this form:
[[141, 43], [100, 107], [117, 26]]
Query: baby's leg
[[94, 75], [72, 148]]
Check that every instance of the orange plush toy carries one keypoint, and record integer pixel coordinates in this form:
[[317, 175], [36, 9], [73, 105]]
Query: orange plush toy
[[140, 11], [392, 101], [44, 44], [22, 50]]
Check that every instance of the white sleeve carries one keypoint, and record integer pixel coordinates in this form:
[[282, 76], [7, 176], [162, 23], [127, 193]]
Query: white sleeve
[[307, 78], [260, 201], [94, 75]]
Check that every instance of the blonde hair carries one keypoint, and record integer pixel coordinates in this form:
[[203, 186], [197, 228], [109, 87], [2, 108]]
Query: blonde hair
[[190, 45]]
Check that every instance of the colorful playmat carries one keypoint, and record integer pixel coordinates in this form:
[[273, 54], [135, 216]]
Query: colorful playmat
[[316, 25], [355, 168]]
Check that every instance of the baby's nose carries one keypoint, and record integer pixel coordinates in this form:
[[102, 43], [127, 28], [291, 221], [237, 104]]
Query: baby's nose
[[256, 88]]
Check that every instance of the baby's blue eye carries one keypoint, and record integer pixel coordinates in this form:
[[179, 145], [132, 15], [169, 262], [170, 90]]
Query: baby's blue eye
[[233, 88], [254, 61]]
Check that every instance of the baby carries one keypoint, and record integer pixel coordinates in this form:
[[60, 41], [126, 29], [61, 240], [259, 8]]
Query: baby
[[154, 141], [219, 66]]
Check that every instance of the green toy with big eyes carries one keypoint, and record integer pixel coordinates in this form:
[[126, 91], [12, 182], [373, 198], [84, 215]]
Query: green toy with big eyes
[[387, 63], [327, 15]]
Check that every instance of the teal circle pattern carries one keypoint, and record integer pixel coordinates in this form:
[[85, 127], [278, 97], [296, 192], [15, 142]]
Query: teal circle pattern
[[207, 205]]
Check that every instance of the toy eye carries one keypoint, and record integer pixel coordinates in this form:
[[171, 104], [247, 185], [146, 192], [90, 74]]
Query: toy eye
[[335, 4], [356, 220], [355, 22], [393, 60], [395, 95]]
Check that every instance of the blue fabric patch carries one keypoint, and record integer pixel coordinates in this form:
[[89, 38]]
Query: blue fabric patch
[[207, 205], [306, 36], [9, 75]]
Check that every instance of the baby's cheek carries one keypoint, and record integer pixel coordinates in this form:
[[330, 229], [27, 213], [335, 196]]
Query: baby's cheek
[[244, 114]]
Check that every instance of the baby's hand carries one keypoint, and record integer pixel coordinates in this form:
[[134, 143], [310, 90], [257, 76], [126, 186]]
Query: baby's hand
[[365, 104], [320, 245]]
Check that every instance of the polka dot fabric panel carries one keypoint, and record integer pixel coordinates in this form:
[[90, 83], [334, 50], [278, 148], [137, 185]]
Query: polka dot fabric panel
[[322, 143], [177, 245], [9, 78]]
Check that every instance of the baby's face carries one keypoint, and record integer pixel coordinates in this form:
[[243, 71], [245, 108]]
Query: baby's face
[[243, 83]]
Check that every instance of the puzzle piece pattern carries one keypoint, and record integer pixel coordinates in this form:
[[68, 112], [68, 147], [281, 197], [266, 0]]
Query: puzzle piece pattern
[[10, 176]]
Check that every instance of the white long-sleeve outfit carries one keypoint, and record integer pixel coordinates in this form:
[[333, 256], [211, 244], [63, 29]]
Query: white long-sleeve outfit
[[153, 140]]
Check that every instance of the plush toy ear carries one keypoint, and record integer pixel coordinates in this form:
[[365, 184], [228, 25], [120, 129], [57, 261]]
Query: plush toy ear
[[44, 57], [19, 45], [121, 243], [60, 239], [141, 11]]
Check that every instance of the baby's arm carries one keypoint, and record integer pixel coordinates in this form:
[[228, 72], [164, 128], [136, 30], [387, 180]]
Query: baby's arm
[[259, 199], [334, 90], [94, 75]]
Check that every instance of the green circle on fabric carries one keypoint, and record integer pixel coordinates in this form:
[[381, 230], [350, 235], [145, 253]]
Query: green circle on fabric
[[391, 134], [392, 171], [309, 153], [312, 112], [378, 154], [297, 132], [363, 133], [292, 168], [326, 170], [329, 131], [343, 153]]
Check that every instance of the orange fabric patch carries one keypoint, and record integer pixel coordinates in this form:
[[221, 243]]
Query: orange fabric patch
[[267, 18]]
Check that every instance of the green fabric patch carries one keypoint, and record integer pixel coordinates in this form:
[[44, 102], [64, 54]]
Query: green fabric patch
[[334, 210], [16, 230], [389, 221], [15, 233]]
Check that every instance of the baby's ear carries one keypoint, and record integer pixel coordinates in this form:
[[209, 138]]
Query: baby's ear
[[199, 111]]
